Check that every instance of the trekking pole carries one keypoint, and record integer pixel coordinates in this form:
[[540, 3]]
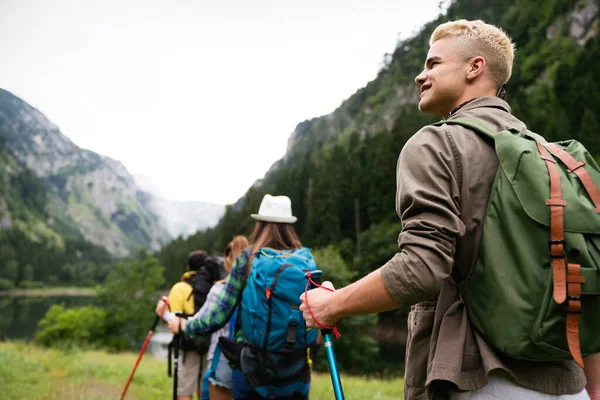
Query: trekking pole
[[177, 340], [328, 342], [140, 356], [333, 370]]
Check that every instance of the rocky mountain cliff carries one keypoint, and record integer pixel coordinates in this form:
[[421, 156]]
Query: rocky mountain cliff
[[376, 107], [84, 192]]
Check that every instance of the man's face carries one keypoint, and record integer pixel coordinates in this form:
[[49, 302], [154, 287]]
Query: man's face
[[443, 80]]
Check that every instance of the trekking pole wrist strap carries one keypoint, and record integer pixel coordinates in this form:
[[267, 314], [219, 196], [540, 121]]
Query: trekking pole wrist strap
[[324, 328], [167, 316]]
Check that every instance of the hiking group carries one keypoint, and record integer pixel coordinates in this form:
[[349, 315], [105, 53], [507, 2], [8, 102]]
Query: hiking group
[[499, 259]]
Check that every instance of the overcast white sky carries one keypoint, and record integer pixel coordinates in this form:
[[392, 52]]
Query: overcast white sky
[[200, 96]]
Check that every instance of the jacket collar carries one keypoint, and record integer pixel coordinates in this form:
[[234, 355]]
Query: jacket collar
[[477, 102], [188, 275]]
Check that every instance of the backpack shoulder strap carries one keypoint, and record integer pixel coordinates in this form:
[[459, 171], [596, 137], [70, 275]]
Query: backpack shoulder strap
[[578, 168], [470, 123], [484, 130], [232, 321], [192, 283]]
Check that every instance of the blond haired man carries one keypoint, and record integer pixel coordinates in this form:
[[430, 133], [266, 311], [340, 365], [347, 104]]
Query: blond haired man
[[444, 179]]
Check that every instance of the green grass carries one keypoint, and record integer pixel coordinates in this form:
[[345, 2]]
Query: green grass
[[30, 372]]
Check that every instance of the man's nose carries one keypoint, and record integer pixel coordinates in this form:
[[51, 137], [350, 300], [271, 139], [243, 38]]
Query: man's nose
[[421, 78]]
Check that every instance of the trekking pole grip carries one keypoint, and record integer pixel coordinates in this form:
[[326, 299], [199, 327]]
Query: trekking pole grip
[[314, 277], [156, 319]]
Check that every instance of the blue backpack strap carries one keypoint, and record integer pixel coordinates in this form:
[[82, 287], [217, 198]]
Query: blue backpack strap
[[210, 372], [215, 360], [232, 322], [293, 321]]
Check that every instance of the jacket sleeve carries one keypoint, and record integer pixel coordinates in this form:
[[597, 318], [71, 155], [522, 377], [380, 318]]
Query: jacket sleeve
[[177, 297], [428, 204]]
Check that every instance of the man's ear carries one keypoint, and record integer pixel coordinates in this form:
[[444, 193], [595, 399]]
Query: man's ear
[[476, 67]]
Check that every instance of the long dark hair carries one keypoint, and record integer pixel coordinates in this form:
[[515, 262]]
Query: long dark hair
[[274, 235]]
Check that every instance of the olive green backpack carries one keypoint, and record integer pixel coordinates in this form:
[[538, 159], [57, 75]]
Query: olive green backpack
[[534, 292]]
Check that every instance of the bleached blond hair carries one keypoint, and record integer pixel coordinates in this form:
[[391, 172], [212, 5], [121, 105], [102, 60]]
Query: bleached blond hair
[[480, 39]]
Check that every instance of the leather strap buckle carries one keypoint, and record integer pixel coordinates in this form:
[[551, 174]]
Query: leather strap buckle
[[561, 253]]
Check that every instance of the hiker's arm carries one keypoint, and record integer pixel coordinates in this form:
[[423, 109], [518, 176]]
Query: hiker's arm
[[427, 202], [162, 309], [366, 296], [592, 374], [166, 307]]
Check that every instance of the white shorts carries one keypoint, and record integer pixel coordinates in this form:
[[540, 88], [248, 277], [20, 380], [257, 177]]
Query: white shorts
[[222, 374], [502, 386]]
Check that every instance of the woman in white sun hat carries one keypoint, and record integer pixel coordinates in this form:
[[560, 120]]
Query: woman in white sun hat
[[273, 238]]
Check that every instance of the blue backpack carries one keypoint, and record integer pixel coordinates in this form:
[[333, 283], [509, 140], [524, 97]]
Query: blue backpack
[[277, 358]]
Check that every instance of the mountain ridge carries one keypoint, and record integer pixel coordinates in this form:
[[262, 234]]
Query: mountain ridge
[[89, 193]]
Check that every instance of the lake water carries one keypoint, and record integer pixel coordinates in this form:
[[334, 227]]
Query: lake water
[[19, 317]]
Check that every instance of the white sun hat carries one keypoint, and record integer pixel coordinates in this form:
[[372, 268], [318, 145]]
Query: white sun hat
[[275, 209]]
